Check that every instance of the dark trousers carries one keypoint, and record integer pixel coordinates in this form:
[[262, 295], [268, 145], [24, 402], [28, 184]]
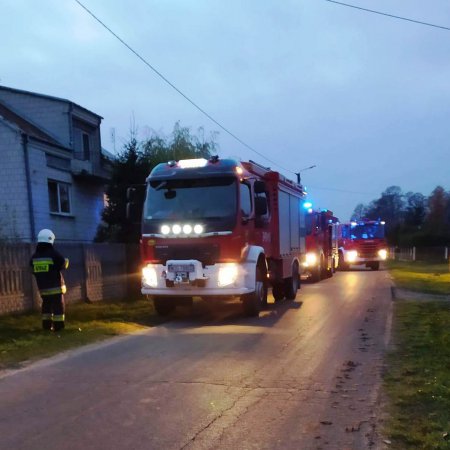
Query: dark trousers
[[53, 312]]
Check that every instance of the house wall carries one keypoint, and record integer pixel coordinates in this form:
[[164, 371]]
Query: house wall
[[88, 206], [58, 119], [86, 201], [14, 214], [50, 115]]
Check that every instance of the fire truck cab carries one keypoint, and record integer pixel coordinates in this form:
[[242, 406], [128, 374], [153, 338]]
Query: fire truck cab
[[321, 257], [219, 228], [362, 243]]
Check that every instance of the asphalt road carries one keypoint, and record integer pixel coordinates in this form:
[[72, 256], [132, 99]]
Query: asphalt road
[[304, 375]]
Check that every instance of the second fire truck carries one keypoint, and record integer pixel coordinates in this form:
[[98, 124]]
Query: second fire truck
[[321, 258]]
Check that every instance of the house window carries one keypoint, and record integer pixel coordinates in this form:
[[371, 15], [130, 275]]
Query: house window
[[59, 196], [86, 146]]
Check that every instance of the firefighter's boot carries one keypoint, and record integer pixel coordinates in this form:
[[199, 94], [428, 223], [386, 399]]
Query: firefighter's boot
[[58, 326], [47, 324]]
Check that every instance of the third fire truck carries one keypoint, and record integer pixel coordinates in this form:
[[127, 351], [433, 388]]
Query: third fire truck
[[220, 228], [362, 243]]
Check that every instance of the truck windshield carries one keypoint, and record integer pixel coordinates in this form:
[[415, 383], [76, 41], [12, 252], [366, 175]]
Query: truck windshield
[[364, 231], [186, 199]]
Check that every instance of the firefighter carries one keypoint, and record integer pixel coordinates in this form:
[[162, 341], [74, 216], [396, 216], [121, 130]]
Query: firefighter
[[47, 264]]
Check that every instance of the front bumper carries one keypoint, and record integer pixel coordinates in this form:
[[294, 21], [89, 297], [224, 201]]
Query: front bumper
[[202, 281], [364, 260]]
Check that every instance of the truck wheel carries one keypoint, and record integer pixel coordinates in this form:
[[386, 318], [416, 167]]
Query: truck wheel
[[255, 301], [375, 265], [329, 270], [316, 274], [324, 273], [291, 284], [164, 306], [278, 291], [342, 264]]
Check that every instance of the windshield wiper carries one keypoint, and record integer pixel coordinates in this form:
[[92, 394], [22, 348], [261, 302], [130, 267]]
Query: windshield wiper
[[160, 186]]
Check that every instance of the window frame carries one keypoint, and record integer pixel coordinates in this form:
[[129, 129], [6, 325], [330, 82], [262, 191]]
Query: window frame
[[86, 138], [58, 197]]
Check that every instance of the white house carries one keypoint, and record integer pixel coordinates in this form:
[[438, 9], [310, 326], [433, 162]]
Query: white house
[[52, 168]]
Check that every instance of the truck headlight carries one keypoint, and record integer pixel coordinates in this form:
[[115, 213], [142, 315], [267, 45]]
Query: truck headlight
[[198, 229], [351, 255], [149, 277], [187, 229], [382, 253], [310, 259], [227, 275]]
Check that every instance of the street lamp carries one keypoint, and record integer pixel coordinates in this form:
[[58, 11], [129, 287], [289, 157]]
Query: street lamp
[[302, 170]]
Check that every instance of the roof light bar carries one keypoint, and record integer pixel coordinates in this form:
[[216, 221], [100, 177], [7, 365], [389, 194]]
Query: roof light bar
[[192, 163]]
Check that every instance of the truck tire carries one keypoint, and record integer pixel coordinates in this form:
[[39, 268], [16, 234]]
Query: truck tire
[[291, 284], [253, 303], [342, 264], [164, 306], [278, 291], [316, 273], [324, 273], [329, 271]]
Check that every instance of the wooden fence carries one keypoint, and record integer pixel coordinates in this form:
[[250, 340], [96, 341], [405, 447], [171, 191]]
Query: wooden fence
[[96, 272], [427, 254]]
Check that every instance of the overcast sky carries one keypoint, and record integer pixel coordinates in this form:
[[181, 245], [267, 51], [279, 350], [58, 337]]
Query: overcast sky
[[365, 98]]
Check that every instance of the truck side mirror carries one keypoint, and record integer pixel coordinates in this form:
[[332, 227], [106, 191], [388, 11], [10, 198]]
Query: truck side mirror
[[260, 206], [135, 200], [259, 187], [134, 212]]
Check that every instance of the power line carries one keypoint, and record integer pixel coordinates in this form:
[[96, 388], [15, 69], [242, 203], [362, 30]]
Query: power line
[[150, 66], [389, 15], [339, 190]]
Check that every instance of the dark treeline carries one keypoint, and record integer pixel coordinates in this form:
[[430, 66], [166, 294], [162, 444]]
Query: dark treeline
[[411, 218], [131, 168]]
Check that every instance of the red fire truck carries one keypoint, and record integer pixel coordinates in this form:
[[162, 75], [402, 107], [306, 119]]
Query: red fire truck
[[362, 242], [219, 228], [321, 258]]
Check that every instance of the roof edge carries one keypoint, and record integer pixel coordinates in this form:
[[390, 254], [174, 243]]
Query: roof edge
[[49, 97]]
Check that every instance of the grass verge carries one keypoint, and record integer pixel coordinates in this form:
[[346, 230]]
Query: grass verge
[[22, 339], [418, 377], [417, 380], [420, 276]]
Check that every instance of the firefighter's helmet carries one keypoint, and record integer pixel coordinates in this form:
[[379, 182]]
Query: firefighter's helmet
[[46, 236]]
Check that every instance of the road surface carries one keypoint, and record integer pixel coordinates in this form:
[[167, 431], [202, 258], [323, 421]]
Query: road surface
[[304, 375]]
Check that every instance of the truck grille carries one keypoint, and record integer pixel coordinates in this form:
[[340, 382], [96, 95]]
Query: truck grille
[[206, 253], [368, 250]]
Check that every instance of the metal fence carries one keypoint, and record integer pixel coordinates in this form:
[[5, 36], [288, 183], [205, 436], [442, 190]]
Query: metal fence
[[427, 254], [96, 272]]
